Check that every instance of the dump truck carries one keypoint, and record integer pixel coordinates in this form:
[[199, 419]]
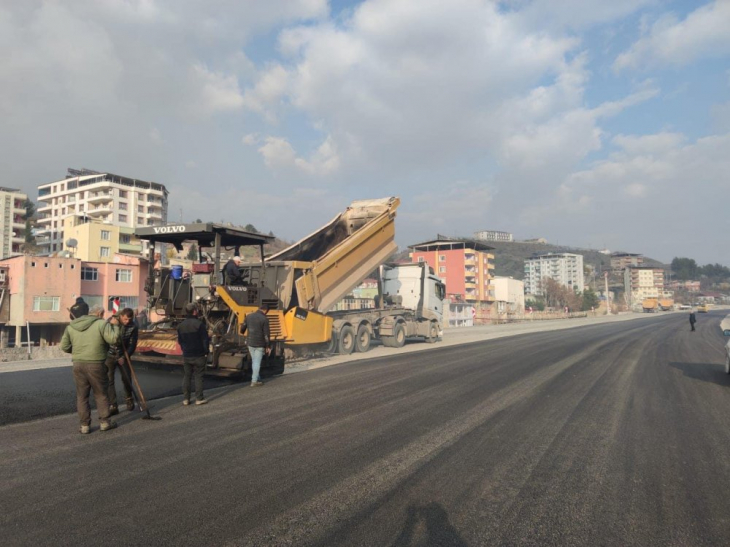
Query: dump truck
[[297, 288], [650, 305], [666, 304]]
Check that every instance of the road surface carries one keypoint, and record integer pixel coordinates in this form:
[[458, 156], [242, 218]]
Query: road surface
[[615, 434]]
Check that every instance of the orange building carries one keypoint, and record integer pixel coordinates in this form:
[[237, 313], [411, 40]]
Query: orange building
[[466, 267]]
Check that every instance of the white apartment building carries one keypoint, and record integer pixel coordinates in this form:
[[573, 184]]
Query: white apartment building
[[565, 268], [643, 282], [509, 294], [493, 235], [117, 200], [12, 225]]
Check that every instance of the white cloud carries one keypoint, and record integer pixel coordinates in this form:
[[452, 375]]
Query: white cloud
[[266, 95], [279, 154], [218, 92], [669, 41], [576, 14], [251, 139]]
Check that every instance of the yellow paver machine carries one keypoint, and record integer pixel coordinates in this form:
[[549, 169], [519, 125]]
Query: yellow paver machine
[[296, 286]]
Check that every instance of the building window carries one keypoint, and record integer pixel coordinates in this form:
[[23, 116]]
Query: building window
[[73, 266], [60, 265], [93, 300], [140, 209], [32, 264], [124, 302], [104, 252], [122, 218], [140, 221], [420, 259], [125, 239], [89, 274], [46, 303], [442, 269], [122, 193], [442, 258], [45, 264], [122, 206], [106, 235], [124, 276]]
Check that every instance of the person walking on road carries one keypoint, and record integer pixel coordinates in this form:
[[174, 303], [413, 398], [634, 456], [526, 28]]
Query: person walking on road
[[256, 325], [193, 339], [692, 320], [87, 339], [115, 358]]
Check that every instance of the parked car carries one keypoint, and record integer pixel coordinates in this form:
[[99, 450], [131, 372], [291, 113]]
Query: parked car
[[703, 308]]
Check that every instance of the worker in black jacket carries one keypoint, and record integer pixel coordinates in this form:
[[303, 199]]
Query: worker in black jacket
[[193, 339], [256, 325], [232, 273], [115, 358]]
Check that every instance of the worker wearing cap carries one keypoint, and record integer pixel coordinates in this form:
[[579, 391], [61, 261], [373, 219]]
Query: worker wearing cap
[[193, 339], [232, 273]]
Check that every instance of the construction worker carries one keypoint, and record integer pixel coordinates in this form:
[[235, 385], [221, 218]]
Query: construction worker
[[115, 358], [87, 339], [193, 339], [256, 325], [232, 273]]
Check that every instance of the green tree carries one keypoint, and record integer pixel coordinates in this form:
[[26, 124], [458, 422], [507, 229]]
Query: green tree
[[192, 252], [251, 228], [684, 268], [30, 244], [590, 299], [537, 305]]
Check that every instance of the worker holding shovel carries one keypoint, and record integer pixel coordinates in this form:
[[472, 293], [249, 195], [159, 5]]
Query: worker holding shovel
[[115, 358]]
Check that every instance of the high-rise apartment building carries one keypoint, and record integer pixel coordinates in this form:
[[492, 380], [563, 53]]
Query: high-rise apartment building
[[12, 225], [117, 200], [642, 282], [565, 268], [621, 261], [465, 266]]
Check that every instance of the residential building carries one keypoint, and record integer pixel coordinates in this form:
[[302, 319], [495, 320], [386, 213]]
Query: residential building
[[40, 290], [689, 286], [621, 261], [12, 225], [565, 268], [493, 235], [466, 268], [97, 241], [509, 294], [114, 199], [642, 282]]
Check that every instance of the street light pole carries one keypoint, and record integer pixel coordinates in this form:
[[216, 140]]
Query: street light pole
[[608, 297]]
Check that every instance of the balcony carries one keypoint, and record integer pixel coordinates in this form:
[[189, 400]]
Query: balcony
[[154, 215], [99, 197], [44, 209], [99, 211]]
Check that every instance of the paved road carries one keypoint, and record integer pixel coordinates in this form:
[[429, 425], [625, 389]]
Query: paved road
[[32, 394], [615, 434]]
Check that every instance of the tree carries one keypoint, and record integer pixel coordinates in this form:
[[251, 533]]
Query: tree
[[251, 228], [590, 299], [30, 221], [192, 252], [684, 268]]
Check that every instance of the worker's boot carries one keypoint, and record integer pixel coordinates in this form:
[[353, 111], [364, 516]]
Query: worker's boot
[[113, 410], [106, 426], [130, 404]]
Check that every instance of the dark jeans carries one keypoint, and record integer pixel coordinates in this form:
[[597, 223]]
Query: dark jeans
[[112, 364], [193, 365], [88, 377]]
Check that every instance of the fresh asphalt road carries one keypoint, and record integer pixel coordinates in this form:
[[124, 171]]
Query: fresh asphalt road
[[39, 393], [612, 434]]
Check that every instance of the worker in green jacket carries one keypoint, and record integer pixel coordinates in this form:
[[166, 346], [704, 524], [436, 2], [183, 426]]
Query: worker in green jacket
[[87, 339]]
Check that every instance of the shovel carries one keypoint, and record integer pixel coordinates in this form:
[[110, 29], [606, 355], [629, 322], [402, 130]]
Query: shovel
[[137, 392]]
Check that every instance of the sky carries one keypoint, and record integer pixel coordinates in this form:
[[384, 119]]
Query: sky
[[593, 124]]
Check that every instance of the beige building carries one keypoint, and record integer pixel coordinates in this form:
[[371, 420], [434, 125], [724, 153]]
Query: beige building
[[97, 241], [509, 295], [642, 282], [116, 200], [621, 261], [12, 225]]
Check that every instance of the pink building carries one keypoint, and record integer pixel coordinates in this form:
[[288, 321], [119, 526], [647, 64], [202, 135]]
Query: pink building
[[38, 291]]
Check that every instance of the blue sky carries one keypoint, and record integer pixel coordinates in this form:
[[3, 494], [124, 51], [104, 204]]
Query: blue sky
[[590, 123]]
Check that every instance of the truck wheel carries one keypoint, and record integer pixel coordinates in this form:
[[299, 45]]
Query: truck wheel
[[362, 343], [433, 333], [399, 335], [346, 340]]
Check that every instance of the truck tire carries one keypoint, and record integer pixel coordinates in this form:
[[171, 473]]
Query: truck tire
[[346, 340], [433, 332], [362, 342], [399, 335]]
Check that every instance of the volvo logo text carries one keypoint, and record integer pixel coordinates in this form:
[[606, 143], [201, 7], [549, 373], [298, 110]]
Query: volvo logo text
[[169, 229]]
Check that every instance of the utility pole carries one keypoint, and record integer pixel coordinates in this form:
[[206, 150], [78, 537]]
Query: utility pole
[[608, 297]]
